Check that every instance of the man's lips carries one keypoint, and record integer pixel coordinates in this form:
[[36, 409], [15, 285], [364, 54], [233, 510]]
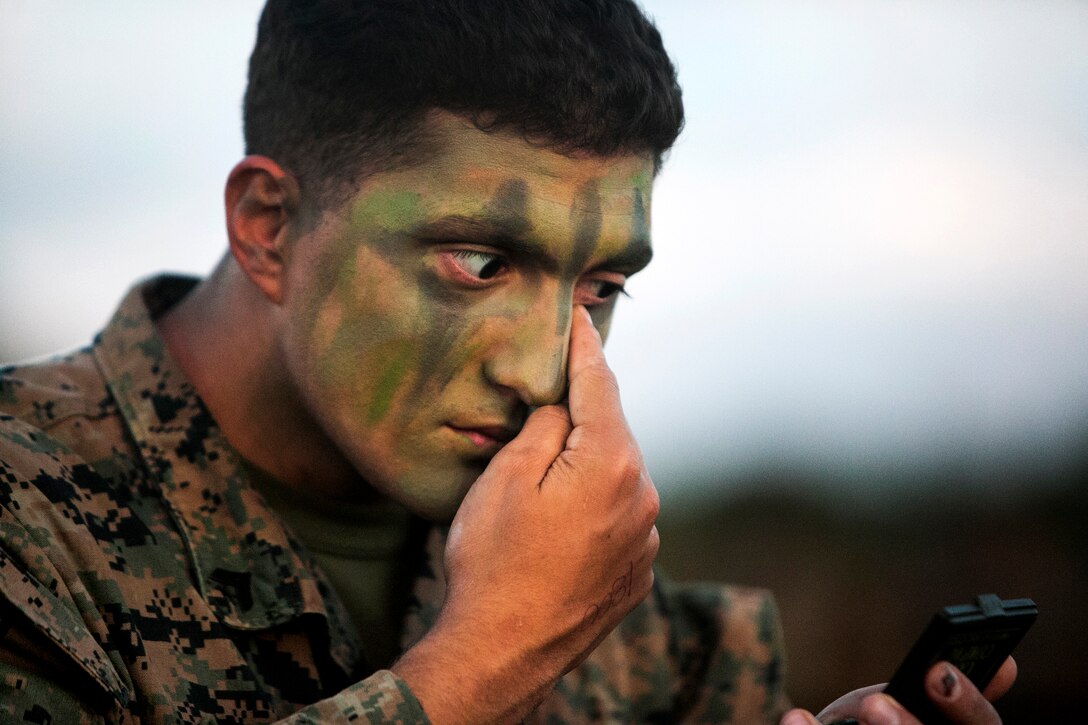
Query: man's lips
[[485, 436]]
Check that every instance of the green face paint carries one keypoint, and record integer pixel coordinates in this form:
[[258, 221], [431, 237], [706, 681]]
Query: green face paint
[[389, 380], [394, 209], [427, 314]]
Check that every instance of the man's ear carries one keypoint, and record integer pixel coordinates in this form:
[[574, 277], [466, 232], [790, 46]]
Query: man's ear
[[261, 198]]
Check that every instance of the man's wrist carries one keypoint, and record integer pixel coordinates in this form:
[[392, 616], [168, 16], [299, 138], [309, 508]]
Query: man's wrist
[[459, 679]]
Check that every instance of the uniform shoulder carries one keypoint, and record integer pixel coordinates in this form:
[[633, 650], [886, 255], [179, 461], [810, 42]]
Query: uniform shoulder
[[48, 392]]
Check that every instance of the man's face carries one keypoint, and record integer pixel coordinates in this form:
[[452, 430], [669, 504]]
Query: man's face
[[428, 313]]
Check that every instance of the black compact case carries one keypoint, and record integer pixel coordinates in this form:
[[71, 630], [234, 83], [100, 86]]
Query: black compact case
[[976, 638]]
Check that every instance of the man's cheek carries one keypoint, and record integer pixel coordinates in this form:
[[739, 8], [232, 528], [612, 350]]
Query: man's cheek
[[392, 366]]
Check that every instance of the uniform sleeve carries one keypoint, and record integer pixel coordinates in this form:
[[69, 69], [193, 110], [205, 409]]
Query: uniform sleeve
[[690, 653], [47, 652], [38, 688], [702, 653], [38, 684], [381, 698]]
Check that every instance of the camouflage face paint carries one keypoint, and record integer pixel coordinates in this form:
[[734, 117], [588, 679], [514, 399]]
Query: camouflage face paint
[[640, 224], [508, 210], [585, 218], [428, 312], [510, 207], [346, 285]]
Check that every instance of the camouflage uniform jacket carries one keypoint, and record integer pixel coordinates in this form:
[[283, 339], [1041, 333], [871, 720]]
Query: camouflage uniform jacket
[[142, 580]]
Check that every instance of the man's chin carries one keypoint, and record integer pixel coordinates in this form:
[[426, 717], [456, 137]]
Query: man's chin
[[436, 501], [440, 513]]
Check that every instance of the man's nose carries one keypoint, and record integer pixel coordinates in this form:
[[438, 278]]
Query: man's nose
[[531, 360]]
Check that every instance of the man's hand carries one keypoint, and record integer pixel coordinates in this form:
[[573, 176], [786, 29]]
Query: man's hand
[[551, 547], [948, 688]]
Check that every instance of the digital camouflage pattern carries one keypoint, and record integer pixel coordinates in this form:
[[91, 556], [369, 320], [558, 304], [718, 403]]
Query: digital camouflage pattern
[[144, 581]]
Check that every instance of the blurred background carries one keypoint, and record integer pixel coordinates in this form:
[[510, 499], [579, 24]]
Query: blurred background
[[857, 366]]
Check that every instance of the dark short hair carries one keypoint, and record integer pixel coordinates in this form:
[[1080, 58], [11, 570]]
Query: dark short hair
[[338, 88]]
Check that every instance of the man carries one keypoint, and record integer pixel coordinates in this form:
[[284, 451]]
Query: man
[[375, 466]]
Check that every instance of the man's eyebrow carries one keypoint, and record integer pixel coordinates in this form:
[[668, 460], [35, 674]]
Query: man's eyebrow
[[510, 237]]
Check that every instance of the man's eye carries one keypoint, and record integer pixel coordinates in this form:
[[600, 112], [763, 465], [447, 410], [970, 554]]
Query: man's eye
[[599, 290], [478, 264], [605, 289]]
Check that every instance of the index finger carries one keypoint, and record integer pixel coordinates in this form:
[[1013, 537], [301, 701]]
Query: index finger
[[593, 394]]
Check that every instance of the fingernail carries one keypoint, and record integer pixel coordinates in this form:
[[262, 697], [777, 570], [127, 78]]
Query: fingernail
[[794, 718], [884, 710], [949, 683]]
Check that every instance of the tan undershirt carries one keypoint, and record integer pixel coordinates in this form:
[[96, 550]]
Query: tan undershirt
[[365, 550]]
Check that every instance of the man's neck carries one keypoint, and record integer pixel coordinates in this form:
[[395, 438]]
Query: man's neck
[[223, 335]]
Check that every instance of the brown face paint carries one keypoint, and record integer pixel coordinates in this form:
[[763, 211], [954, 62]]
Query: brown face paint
[[585, 218], [638, 241], [509, 208]]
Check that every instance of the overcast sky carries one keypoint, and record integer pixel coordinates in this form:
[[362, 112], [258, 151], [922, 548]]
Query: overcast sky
[[871, 239]]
